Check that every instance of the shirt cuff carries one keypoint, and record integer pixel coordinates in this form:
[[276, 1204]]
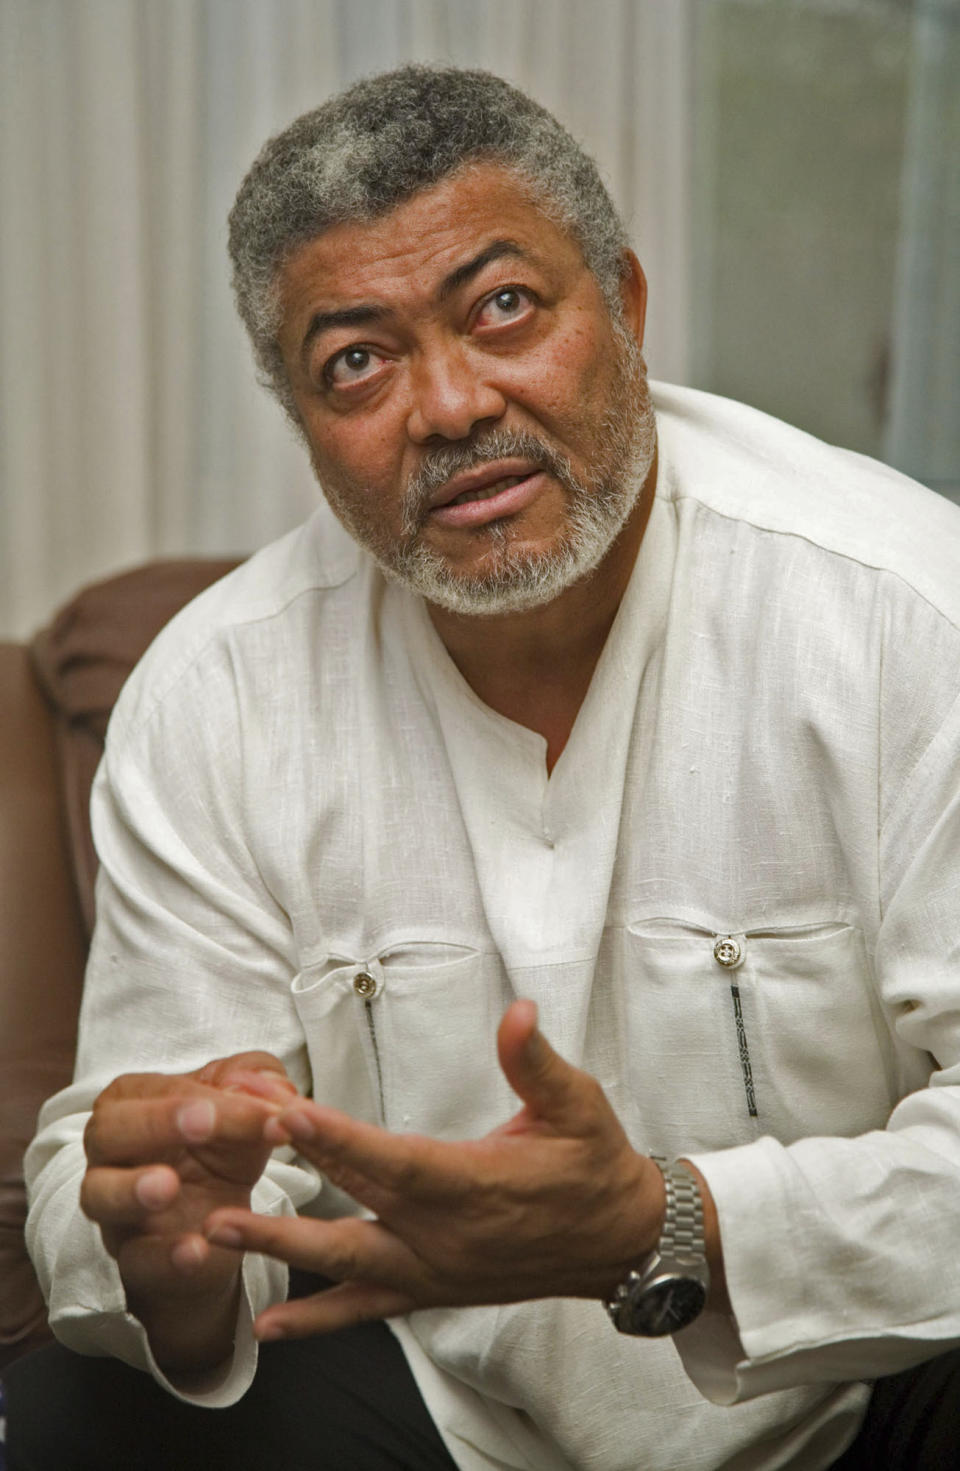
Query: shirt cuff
[[807, 1259], [104, 1327], [263, 1282]]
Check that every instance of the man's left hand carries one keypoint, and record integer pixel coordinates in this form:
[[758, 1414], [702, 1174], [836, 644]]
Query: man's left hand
[[555, 1203]]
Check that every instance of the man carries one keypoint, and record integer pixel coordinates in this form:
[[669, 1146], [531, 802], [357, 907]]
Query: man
[[644, 726]]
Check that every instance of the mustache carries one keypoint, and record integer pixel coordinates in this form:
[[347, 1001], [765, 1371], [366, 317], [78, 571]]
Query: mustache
[[441, 464]]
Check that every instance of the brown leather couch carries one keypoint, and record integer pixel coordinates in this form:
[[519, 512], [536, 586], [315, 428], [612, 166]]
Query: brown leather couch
[[56, 694]]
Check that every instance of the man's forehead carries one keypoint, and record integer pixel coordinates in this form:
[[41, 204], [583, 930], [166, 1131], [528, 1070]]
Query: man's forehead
[[484, 210], [477, 184], [431, 243]]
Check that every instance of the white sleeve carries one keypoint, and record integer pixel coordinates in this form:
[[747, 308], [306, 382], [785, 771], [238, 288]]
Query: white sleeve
[[192, 959], [841, 1254]]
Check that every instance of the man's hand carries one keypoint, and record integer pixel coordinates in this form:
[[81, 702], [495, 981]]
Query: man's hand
[[162, 1152], [555, 1203]]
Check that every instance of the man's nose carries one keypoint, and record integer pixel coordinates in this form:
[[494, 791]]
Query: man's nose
[[450, 396]]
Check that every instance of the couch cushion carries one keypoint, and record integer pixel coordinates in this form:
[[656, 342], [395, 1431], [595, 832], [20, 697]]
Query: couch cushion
[[81, 661]]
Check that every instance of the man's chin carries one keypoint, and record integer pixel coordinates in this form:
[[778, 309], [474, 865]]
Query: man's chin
[[515, 583]]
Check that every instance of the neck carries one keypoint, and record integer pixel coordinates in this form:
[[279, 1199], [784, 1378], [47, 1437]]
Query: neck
[[535, 667]]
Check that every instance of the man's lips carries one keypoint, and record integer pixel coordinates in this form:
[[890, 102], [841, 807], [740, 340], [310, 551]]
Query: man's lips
[[486, 493]]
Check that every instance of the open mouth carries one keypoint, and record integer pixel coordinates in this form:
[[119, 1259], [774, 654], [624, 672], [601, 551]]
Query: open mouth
[[488, 499], [486, 492]]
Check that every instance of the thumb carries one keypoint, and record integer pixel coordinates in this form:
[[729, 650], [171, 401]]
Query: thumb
[[546, 1083]]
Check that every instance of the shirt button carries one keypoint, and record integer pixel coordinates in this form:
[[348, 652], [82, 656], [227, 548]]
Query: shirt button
[[364, 984], [727, 951]]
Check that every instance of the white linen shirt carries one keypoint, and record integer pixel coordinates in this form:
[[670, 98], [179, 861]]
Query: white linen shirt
[[299, 787]]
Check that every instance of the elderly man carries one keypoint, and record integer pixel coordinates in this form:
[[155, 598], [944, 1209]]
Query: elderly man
[[626, 722]]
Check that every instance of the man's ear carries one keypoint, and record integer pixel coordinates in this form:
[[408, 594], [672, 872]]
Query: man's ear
[[633, 293]]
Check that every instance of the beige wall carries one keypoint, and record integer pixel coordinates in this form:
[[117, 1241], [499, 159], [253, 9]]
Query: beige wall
[[801, 111]]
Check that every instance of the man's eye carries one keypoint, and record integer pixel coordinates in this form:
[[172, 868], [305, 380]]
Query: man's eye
[[506, 305], [352, 365]]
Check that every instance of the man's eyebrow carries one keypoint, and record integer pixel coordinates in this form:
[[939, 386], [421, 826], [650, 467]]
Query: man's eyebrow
[[494, 251], [347, 316], [362, 315]]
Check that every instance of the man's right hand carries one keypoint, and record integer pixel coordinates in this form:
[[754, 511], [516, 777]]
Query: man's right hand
[[162, 1153]]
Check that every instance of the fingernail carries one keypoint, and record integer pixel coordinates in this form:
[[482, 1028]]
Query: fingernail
[[224, 1235], [154, 1191], [275, 1133], [300, 1125], [196, 1120], [188, 1255], [267, 1332]]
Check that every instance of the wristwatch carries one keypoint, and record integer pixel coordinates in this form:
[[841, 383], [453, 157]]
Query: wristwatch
[[670, 1289]]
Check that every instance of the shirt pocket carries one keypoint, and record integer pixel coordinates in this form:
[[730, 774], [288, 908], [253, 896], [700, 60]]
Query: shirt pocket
[[407, 1037], [764, 1031], [329, 997]]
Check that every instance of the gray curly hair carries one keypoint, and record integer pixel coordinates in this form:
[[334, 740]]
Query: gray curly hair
[[382, 141]]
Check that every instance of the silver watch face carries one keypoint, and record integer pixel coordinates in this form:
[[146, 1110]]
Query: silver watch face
[[663, 1306]]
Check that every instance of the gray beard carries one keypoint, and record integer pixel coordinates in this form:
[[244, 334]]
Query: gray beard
[[516, 581]]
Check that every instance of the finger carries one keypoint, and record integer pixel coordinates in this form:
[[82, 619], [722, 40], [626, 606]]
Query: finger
[[341, 1249], [327, 1312], [256, 1060], [369, 1163], [179, 1266], [141, 1130], [257, 1072], [267, 1085], [151, 1085], [554, 1092], [117, 1197], [261, 1065]]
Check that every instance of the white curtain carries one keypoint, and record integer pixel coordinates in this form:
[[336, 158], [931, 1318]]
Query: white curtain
[[130, 423]]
